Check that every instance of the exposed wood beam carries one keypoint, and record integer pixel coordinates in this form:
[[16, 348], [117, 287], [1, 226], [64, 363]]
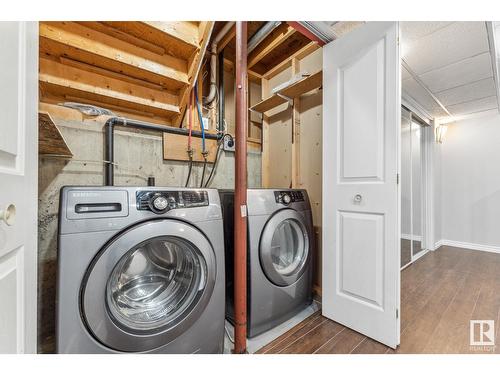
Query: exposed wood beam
[[299, 55], [50, 102], [296, 132], [186, 32], [194, 67], [252, 76], [97, 43], [226, 39], [110, 73], [116, 33], [277, 37], [306, 32], [266, 144], [70, 79]]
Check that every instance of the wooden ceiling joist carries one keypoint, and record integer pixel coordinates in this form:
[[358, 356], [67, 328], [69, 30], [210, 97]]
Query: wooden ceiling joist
[[231, 34], [186, 32], [300, 54], [92, 42], [79, 82], [179, 39], [137, 69], [119, 34], [277, 37]]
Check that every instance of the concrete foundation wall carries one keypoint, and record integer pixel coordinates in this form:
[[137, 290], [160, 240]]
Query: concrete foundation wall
[[138, 156]]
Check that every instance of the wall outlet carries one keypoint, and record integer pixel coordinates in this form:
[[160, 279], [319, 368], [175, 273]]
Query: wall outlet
[[228, 144]]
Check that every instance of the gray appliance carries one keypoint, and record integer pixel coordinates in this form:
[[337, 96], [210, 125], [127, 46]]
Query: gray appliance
[[280, 253], [140, 269]]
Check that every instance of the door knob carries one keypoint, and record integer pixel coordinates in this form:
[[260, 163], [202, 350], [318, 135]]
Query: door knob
[[358, 198], [8, 214]]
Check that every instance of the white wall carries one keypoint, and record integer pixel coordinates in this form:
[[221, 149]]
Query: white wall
[[470, 182]]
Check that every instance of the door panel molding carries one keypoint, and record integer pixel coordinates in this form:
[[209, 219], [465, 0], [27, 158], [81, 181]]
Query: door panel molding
[[361, 162]]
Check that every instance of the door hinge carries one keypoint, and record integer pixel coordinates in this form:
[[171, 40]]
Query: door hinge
[[397, 178], [397, 313]]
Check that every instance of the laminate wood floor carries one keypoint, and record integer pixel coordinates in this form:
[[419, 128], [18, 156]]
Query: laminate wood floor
[[440, 294]]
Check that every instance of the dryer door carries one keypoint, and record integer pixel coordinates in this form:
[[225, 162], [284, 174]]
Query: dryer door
[[149, 285], [285, 247]]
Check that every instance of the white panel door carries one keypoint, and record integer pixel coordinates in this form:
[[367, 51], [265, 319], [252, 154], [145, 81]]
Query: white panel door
[[18, 186], [361, 131]]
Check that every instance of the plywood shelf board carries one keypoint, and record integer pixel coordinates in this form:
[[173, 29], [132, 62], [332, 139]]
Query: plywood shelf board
[[293, 91], [175, 148], [269, 103], [50, 140], [303, 86]]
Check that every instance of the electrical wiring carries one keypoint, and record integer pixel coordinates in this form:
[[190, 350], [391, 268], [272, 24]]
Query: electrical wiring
[[190, 150], [204, 152], [216, 161]]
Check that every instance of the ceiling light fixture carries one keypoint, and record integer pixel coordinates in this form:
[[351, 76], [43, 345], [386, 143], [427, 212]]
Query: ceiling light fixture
[[441, 133]]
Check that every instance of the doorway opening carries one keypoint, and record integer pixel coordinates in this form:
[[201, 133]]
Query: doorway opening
[[414, 148]]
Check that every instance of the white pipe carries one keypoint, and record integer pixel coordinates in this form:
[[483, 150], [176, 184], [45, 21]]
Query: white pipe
[[213, 63]]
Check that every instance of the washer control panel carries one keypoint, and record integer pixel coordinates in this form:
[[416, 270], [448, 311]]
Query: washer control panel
[[162, 201], [290, 196]]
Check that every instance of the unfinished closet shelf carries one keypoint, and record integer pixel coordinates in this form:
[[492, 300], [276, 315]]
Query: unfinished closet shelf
[[293, 91], [50, 139]]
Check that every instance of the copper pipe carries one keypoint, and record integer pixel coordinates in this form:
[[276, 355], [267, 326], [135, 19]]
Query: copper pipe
[[240, 193]]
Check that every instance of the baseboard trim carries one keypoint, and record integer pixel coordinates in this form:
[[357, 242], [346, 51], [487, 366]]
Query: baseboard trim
[[469, 246], [438, 244]]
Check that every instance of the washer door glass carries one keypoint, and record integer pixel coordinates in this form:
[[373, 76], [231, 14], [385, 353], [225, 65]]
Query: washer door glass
[[149, 285], [288, 247], [155, 283], [284, 247]]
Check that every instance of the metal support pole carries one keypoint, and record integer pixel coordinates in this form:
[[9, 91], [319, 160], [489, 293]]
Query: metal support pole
[[240, 192]]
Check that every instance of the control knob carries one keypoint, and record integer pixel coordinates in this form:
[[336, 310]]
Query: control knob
[[286, 199], [160, 203]]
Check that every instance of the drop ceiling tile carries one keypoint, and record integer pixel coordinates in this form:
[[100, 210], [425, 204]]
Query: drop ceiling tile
[[344, 27], [413, 30], [474, 106], [446, 46], [422, 97], [466, 93], [465, 71]]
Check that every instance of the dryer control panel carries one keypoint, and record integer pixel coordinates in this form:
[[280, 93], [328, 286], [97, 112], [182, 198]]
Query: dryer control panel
[[290, 196], [162, 201]]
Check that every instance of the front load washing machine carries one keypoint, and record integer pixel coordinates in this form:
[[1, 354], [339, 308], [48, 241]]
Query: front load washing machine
[[280, 253], [140, 270]]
